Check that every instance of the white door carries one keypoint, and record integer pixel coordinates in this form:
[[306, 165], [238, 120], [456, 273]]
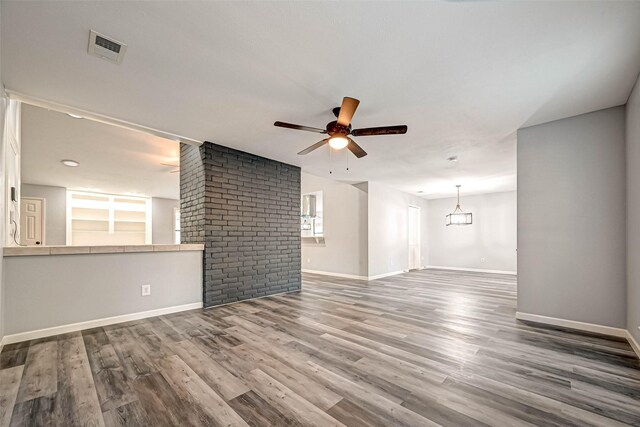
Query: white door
[[32, 221], [414, 237]]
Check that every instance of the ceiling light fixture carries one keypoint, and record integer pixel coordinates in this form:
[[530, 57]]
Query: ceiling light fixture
[[458, 217], [70, 163], [338, 142], [75, 116]]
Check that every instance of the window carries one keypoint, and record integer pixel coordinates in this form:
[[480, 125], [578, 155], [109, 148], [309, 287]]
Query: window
[[311, 223], [176, 225], [95, 219]]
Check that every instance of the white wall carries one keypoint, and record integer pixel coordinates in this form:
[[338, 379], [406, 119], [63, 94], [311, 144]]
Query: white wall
[[3, 106], [633, 212], [162, 222], [55, 211], [344, 250], [388, 227], [366, 230], [55, 290], [488, 244], [571, 219]]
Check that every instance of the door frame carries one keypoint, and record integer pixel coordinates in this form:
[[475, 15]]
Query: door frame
[[44, 217], [409, 207]]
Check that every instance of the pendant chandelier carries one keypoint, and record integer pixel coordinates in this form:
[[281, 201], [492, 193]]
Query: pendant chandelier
[[458, 217]]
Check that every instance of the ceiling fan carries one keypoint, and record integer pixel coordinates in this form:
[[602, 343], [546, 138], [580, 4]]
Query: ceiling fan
[[340, 130], [173, 166]]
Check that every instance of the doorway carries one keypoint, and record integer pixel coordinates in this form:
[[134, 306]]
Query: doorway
[[413, 237], [32, 221]]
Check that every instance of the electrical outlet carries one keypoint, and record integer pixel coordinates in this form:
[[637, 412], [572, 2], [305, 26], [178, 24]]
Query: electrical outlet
[[146, 290]]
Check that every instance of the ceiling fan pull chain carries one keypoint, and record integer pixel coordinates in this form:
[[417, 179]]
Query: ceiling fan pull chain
[[330, 171], [347, 157]]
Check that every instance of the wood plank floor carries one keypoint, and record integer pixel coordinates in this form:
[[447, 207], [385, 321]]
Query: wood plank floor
[[425, 348]]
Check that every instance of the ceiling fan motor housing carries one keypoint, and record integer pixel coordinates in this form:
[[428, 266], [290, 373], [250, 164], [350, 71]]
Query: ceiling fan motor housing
[[334, 128]]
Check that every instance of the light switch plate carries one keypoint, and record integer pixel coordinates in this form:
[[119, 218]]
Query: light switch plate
[[146, 290]]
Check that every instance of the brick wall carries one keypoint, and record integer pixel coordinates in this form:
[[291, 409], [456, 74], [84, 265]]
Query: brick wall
[[192, 224], [246, 211]]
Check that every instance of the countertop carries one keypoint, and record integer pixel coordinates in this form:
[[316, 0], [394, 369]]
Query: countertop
[[82, 250]]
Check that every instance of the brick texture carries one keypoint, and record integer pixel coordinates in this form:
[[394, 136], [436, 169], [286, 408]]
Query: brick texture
[[246, 211]]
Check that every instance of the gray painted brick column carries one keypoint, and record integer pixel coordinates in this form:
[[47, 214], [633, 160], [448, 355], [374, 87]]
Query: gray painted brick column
[[246, 210]]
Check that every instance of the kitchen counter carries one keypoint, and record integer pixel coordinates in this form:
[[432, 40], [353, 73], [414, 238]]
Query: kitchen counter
[[10, 251]]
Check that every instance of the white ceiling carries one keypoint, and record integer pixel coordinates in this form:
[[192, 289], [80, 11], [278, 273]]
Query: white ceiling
[[462, 75], [112, 159]]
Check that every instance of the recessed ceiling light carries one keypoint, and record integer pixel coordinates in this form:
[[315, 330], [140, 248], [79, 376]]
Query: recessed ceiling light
[[75, 116], [70, 163], [453, 158]]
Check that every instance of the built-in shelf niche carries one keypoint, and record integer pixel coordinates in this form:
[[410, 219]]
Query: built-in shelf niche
[[104, 219]]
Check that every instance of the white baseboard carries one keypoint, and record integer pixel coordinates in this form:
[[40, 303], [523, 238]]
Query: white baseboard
[[353, 276], [380, 276], [329, 273], [572, 324], [634, 344], [475, 270], [73, 327], [279, 294]]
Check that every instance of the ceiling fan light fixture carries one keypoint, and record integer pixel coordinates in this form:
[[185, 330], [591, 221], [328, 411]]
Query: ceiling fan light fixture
[[338, 142]]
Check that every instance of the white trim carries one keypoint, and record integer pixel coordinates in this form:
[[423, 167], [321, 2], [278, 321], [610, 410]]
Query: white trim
[[148, 222], [634, 344], [573, 324], [353, 276], [73, 327], [419, 244], [328, 273], [176, 221], [49, 105], [475, 270], [279, 294], [393, 273]]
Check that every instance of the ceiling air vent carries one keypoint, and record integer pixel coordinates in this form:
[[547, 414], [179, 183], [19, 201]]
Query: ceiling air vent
[[106, 48]]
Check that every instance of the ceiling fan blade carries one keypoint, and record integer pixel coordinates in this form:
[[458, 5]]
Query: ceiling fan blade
[[347, 110], [383, 130], [314, 146], [299, 127], [356, 149]]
